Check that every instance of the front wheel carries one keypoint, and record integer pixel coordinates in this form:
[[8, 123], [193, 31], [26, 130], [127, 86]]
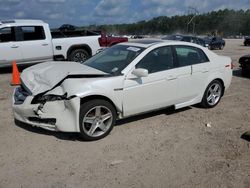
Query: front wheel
[[212, 94], [79, 55], [221, 47], [97, 118]]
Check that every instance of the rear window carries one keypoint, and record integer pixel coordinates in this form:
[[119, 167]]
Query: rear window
[[33, 33], [188, 55]]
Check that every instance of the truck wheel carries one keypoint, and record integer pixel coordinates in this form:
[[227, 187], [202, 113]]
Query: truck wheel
[[221, 47], [97, 118], [79, 55]]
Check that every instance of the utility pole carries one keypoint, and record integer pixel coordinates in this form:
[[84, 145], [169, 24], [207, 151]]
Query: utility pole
[[194, 12]]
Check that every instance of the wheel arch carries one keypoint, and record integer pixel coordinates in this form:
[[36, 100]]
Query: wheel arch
[[94, 97], [79, 46], [222, 83]]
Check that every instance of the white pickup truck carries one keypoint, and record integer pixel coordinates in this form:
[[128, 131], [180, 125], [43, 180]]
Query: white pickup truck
[[31, 41]]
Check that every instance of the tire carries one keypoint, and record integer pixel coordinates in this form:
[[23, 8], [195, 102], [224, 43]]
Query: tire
[[97, 119], [212, 95], [79, 55], [244, 71], [221, 47]]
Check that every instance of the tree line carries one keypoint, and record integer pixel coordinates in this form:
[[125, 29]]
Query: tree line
[[222, 22]]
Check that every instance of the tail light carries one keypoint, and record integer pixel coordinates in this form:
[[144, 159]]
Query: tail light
[[232, 66]]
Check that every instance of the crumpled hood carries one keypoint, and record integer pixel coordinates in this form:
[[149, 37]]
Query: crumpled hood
[[44, 76]]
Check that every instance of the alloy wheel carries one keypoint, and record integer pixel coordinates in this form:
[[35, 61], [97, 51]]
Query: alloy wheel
[[214, 94], [97, 121]]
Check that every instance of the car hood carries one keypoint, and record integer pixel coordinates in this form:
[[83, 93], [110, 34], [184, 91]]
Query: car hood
[[45, 76]]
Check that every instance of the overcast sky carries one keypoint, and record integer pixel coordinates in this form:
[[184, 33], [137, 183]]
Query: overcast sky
[[85, 12]]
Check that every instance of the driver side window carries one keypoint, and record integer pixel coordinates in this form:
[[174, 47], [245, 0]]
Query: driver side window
[[7, 34], [157, 60]]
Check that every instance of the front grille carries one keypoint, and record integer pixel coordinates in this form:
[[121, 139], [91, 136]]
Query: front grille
[[20, 95]]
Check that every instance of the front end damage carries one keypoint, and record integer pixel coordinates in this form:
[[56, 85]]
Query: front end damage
[[53, 110]]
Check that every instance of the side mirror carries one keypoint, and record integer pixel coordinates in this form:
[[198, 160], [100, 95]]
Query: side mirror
[[140, 72]]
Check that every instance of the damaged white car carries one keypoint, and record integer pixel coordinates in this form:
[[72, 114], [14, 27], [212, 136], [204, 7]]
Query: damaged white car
[[124, 80]]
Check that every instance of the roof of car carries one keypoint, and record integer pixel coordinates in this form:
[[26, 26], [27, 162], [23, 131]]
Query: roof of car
[[20, 21], [146, 43]]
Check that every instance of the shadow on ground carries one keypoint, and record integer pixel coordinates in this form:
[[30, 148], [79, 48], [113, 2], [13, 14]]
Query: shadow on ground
[[59, 135], [77, 137], [246, 136], [166, 111]]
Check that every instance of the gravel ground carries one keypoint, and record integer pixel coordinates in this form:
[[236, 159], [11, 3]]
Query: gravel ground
[[161, 149]]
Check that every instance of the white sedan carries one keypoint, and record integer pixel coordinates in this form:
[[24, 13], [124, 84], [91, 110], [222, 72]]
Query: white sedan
[[122, 81]]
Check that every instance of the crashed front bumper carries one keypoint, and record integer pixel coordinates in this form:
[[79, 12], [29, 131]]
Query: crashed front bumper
[[60, 115]]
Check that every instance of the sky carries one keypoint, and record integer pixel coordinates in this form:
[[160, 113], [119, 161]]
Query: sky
[[97, 12]]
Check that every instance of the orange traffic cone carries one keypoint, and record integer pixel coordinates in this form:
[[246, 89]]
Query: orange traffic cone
[[15, 75]]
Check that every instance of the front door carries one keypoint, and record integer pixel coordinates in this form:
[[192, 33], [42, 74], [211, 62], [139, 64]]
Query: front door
[[9, 48], [157, 90]]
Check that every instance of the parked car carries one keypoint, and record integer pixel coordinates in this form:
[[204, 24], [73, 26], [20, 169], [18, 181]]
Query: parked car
[[247, 41], [137, 37], [107, 41], [244, 62], [215, 43], [186, 38], [90, 97], [31, 41], [67, 27]]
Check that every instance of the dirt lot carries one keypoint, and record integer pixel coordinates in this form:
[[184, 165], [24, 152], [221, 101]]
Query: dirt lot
[[161, 149]]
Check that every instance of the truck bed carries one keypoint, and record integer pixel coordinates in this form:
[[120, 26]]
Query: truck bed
[[76, 33]]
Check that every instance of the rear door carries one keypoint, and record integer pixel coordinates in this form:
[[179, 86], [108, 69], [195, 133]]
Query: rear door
[[194, 71], [35, 45], [201, 68], [183, 71], [9, 48]]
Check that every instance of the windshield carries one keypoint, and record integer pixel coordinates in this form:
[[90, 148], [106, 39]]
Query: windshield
[[113, 60]]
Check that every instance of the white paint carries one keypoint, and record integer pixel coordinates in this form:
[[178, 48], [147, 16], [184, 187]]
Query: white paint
[[131, 95]]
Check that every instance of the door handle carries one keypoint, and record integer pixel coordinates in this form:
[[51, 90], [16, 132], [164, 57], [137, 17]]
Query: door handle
[[45, 44], [205, 70], [171, 77], [14, 46]]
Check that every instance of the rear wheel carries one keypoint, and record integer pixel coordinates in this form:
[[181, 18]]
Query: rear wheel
[[97, 118], [212, 94], [79, 55]]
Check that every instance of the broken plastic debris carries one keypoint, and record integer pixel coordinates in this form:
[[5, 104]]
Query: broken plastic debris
[[208, 125], [116, 162]]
